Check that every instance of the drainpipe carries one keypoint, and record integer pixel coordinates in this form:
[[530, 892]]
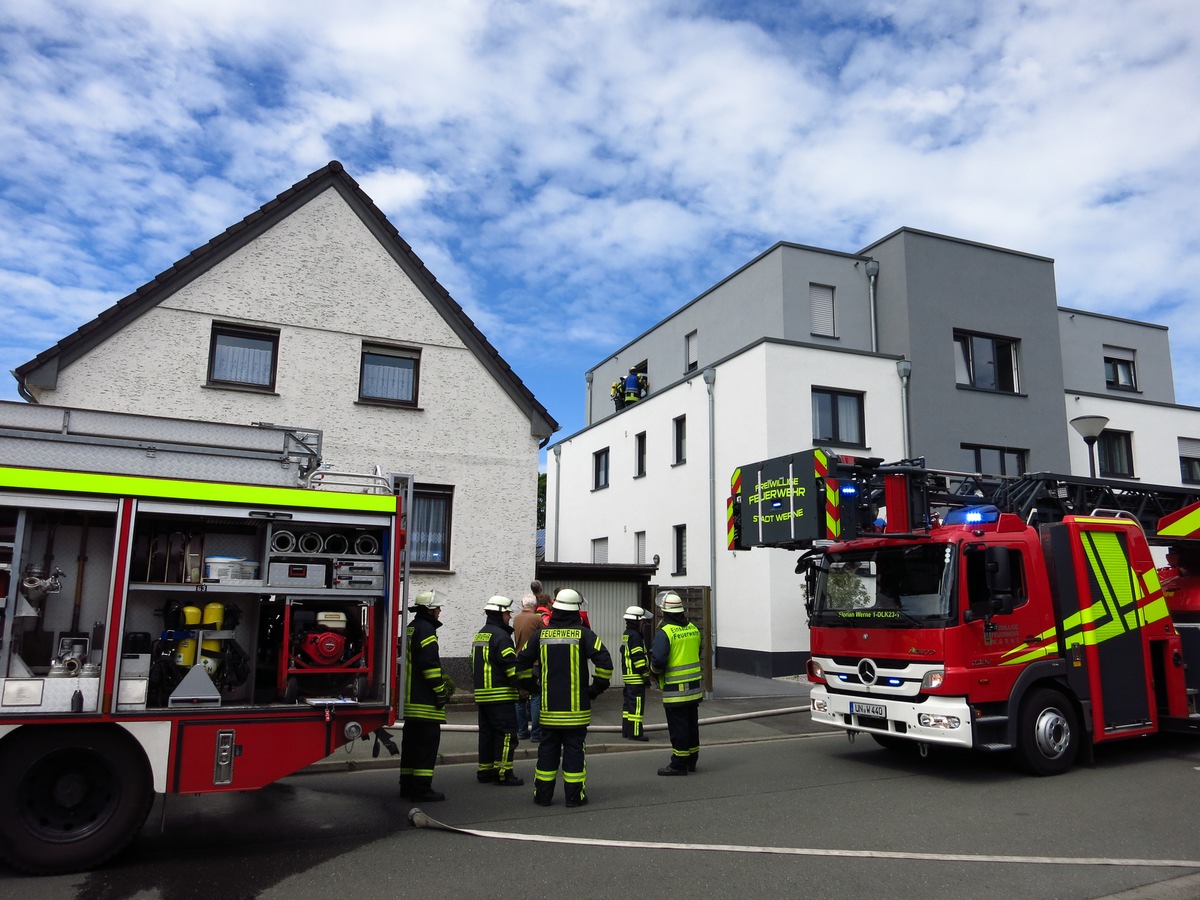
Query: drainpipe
[[904, 370], [872, 274], [587, 397], [557, 493], [710, 377]]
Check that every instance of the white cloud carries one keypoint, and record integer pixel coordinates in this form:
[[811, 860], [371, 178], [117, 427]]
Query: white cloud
[[596, 164]]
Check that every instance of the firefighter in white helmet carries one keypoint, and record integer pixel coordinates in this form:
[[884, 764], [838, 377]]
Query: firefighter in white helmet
[[563, 648], [635, 671], [426, 691], [675, 659], [494, 665]]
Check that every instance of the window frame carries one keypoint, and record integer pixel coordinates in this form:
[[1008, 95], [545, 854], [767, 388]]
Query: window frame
[[1104, 453], [1022, 458], [639, 455], [691, 355], [600, 469], [836, 394], [266, 335], [1189, 474], [1113, 365], [425, 493], [600, 549], [966, 364], [639, 548], [679, 544], [395, 352], [679, 440], [821, 308]]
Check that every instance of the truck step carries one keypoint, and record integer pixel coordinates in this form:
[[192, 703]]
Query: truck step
[[991, 720], [991, 748]]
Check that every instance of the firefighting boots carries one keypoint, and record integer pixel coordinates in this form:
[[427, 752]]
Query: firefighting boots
[[543, 792]]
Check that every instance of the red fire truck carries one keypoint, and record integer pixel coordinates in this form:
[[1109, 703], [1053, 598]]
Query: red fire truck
[[991, 614], [187, 607]]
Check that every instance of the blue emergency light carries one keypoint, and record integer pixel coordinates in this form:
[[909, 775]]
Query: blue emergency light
[[972, 515]]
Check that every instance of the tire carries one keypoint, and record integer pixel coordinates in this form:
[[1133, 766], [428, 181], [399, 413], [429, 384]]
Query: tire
[[291, 693], [1048, 733], [71, 797]]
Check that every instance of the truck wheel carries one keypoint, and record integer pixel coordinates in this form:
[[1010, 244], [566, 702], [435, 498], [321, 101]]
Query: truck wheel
[[1048, 738], [70, 798]]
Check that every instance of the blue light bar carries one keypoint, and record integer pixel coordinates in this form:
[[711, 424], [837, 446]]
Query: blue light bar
[[972, 515], [848, 489]]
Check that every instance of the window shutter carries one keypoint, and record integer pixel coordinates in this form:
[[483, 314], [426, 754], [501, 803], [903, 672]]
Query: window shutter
[[820, 298], [1189, 447]]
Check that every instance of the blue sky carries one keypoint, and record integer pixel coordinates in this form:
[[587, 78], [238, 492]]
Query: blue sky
[[572, 172]]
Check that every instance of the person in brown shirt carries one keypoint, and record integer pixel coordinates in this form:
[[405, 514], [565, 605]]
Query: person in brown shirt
[[525, 624]]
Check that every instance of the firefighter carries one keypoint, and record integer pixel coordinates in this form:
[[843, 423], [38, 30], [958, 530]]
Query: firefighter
[[617, 393], [494, 664], [633, 387], [635, 671], [426, 691], [675, 659], [563, 648]]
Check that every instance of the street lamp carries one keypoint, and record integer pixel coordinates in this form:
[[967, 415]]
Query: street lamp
[[1089, 428]]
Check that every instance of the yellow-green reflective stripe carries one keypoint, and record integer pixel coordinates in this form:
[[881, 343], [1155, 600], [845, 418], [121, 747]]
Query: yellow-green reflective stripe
[[168, 488], [1182, 527]]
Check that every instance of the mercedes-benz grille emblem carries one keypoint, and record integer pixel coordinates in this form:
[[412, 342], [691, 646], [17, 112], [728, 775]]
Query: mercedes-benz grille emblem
[[866, 672]]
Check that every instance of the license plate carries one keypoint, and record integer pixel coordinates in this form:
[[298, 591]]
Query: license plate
[[874, 710]]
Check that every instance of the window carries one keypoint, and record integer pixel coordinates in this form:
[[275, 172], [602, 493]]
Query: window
[[600, 469], [986, 363], [1115, 451], [820, 299], [639, 454], [243, 356], [1119, 372], [680, 440], [994, 460], [1189, 460], [429, 526], [680, 550], [691, 358], [389, 375], [837, 417], [600, 550], [639, 548]]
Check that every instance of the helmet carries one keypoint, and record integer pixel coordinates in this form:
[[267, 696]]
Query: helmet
[[430, 599], [669, 602], [635, 613], [498, 604], [569, 600]]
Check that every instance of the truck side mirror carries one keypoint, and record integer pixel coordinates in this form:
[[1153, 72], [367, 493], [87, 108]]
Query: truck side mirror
[[998, 569]]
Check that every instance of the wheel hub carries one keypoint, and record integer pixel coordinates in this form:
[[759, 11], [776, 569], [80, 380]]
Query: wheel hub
[[1052, 732]]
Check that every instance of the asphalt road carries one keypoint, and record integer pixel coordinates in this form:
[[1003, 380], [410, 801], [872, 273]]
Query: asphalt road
[[848, 808]]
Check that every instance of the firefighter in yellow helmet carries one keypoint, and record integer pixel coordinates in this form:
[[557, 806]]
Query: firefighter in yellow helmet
[[426, 691], [675, 659], [564, 647]]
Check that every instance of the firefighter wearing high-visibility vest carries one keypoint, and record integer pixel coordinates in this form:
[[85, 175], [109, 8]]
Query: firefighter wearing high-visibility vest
[[675, 659], [563, 648], [426, 691], [494, 666], [635, 671], [633, 387]]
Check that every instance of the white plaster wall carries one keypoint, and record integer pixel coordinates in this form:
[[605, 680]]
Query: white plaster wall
[[762, 408], [326, 283], [1156, 429]]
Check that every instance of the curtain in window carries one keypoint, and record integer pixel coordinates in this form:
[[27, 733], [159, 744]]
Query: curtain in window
[[242, 359], [388, 377], [848, 424], [427, 535]]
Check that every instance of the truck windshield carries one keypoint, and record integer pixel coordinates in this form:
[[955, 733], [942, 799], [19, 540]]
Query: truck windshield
[[898, 586]]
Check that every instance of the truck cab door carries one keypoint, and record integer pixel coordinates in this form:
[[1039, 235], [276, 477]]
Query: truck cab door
[[1103, 605]]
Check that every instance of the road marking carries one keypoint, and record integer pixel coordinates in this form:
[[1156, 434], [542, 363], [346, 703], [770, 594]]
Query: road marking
[[422, 820]]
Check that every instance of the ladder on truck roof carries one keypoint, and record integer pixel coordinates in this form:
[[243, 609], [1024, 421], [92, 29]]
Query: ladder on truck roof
[[86, 440], [1037, 497]]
